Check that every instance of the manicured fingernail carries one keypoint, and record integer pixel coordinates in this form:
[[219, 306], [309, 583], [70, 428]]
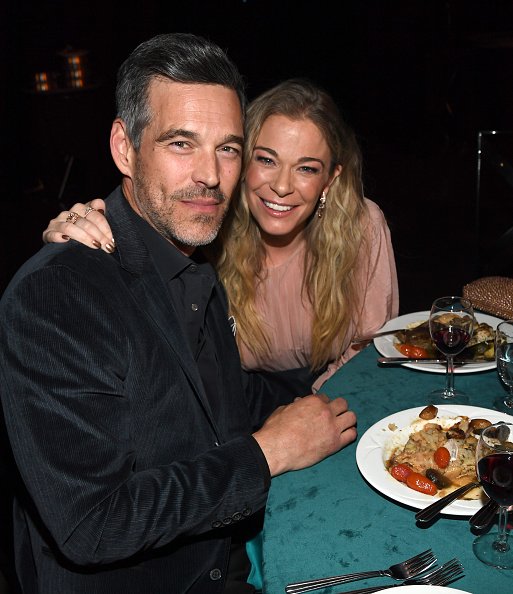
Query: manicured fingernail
[[113, 241], [110, 248], [65, 237], [97, 244], [101, 210]]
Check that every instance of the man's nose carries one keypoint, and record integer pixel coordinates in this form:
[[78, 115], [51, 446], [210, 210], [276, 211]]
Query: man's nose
[[206, 170]]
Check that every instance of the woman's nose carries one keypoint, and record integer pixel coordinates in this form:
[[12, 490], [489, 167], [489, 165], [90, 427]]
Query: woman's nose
[[281, 184]]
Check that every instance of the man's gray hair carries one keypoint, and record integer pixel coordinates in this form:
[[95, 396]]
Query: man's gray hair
[[180, 57]]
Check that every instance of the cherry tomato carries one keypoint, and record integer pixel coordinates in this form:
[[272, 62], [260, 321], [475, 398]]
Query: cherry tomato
[[442, 457], [419, 482], [409, 350], [400, 472]]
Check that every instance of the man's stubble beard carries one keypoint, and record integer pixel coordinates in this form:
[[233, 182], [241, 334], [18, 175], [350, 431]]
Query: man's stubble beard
[[163, 213]]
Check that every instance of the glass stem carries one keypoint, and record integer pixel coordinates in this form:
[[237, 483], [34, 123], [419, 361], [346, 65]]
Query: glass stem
[[449, 384], [501, 544], [509, 399]]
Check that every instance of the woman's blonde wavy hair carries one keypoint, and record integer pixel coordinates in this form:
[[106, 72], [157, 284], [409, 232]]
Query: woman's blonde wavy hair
[[333, 242]]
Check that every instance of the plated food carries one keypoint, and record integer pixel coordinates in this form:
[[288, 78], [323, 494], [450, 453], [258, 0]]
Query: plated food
[[439, 454], [415, 341], [375, 446], [387, 345]]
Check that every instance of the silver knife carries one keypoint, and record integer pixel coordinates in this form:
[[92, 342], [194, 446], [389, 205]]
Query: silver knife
[[401, 360], [484, 516], [429, 512]]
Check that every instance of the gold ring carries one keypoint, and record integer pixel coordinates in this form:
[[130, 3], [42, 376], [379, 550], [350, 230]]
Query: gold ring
[[72, 217], [87, 211]]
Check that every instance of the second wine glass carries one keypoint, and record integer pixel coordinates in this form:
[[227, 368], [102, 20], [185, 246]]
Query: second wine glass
[[504, 358], [451, 324]]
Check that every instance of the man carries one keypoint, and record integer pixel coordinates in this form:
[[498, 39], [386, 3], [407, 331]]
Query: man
[[142, 451]]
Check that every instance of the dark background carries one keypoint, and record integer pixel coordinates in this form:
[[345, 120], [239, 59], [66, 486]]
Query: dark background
[[421, 81], [418, 80]]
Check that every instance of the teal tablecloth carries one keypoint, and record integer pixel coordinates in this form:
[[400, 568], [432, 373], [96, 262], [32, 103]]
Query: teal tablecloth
[[327, 519]]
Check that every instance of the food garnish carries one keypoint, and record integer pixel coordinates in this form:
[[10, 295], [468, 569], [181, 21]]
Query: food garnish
[[442, 457], [400, 472], [429, 412], [421, 483]]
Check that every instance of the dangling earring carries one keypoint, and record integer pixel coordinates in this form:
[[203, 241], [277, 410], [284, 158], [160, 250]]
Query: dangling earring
[[322, 204]]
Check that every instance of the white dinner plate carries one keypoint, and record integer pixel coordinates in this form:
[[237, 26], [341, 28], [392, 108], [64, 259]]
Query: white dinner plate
[[385, 344], [425, 590], [371, 453]]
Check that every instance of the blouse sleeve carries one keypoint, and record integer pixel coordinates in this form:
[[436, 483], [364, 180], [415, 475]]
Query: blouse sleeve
[[380, 291]]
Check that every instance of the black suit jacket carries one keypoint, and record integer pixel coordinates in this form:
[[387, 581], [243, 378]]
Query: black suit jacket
[[126, 481]]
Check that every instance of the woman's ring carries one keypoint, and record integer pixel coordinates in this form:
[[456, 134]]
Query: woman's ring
[[72, 217], [88, 210]]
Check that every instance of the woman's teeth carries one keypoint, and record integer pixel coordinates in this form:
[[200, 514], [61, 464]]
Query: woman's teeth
[[278, 207]]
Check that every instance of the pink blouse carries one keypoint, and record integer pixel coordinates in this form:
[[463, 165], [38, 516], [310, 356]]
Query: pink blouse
[[288, 317]]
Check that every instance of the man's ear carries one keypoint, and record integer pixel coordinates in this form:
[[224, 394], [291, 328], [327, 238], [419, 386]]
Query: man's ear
[[121, 148]]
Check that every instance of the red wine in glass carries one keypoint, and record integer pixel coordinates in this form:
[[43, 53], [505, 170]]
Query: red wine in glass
[[496, 475], [451, 323], [494, 466], [451, 341]]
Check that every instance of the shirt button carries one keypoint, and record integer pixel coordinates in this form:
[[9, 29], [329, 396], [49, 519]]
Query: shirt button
[[193, 268], [215, 574], [194, 307]]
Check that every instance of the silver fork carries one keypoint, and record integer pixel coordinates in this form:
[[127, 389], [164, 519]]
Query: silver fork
[[399, 571], [441, 576]]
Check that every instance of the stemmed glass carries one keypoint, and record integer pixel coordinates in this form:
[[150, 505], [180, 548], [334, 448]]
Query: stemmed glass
[[451, 323], [504, 358], [494, 464]]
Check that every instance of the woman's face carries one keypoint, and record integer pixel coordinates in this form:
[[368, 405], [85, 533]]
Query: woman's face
[[288, 171]]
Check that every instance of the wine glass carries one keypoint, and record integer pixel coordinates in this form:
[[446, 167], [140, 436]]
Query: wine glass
[[504, 358], [494, 465], [451, 323]]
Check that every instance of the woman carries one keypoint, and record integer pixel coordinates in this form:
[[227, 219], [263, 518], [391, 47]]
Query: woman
[[306, 260]]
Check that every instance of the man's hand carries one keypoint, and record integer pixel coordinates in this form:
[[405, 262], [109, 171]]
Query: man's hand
[[304, 432]]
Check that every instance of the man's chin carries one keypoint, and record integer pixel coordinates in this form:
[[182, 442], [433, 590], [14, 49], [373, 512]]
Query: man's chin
[[190, 241]]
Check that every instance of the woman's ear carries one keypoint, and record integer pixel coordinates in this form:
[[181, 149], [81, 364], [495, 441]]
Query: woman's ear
[[121, 148], [337, 171]]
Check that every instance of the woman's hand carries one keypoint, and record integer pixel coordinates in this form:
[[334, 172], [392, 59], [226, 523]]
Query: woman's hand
[[85, 223]]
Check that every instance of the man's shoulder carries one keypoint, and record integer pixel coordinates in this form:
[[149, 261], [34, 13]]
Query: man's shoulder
[[57, 262]]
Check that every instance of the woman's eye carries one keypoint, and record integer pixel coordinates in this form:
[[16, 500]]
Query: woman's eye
[[308, 169], [264, 160]]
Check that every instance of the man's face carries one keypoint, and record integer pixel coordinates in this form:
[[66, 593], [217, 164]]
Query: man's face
[[189, 161]]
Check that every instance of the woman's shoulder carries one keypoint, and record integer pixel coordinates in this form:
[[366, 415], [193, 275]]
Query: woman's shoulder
[[374, 214]]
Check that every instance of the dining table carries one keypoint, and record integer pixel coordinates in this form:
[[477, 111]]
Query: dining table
[[327, 519]]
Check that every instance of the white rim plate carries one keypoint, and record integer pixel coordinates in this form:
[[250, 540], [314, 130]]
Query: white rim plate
[[425, 589], [385, 344], [370, 456]]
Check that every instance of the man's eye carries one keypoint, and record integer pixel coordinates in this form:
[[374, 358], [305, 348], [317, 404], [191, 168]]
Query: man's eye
[[231, 149]]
